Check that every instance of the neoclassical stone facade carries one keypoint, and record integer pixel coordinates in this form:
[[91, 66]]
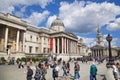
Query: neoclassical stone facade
[[100, 50], [17, 38]]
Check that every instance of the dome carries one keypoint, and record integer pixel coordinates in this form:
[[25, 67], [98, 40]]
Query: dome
[[57, 22]]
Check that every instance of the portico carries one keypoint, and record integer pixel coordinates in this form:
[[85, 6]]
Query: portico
[[12, 35], [64, 44]]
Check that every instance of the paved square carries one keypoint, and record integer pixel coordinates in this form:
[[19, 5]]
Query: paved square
[[11, 72]]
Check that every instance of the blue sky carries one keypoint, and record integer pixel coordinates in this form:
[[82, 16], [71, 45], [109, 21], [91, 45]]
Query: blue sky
[[81, 17]]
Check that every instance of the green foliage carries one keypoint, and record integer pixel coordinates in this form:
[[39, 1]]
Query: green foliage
[[43, 59], [23, 59], [2, 59], [34, 59], [18, 59], [28, 59]]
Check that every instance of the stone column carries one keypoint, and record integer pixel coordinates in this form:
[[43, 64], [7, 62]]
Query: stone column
[[17, 40], [95, 53], [65, 45], [42, 44], [58, 50], [6, 38], [62, 45], [54, 45], [23, 42], [102, 52], [76, 47]]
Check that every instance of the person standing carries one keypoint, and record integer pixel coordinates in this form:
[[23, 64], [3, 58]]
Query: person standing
[[29, 73], [93, 72], [76, 71]]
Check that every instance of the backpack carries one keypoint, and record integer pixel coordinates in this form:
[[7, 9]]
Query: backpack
[[55, 73], [77, 67]]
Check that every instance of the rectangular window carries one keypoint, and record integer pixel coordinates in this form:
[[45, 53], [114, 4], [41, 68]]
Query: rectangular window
[[36, 39], [30, 49], [44, 50], [31, 38], [36, 49]]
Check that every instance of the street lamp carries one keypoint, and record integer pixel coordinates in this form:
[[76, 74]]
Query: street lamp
[[109, 39]]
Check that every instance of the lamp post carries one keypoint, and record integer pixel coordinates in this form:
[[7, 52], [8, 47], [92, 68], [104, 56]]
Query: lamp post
[[109, 39]]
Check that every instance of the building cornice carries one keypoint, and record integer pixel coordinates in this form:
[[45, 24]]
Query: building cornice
[[8, 17]]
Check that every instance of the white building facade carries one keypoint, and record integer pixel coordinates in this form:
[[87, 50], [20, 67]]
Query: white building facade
[[19, 39]]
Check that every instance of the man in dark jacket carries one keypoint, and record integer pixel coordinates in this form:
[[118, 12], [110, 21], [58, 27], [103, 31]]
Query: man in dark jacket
[[29, 73]]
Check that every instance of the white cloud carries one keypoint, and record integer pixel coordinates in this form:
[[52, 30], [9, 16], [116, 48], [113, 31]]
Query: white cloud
[[50, 20], [6, 5], [114, 43], [88, 41], [83, 17], [115, 25], [37, 18]]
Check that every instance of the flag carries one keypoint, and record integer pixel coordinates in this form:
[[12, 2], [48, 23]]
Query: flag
[[51, 43]]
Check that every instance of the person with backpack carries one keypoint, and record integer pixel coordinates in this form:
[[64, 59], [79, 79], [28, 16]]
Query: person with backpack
[[55, 71], [44, 71], [93, 71], [76, 71], [38, 73], [29, 73]]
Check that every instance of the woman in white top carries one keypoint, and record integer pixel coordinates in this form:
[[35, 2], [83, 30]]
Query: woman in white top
[[115, 72]]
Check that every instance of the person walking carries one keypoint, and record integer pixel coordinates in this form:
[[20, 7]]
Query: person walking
[[76, 71], [118, 66], [44, 71], [64, 67], [93, 72], [115, 71], [68, 67], [55, 71], [29, 73], [38, 73]]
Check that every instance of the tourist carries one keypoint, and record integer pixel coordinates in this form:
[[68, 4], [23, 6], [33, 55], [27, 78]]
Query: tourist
[[38, 73], [29, 73], [55, 71], [76, 71], [115, 71], [44, 71], [93, 71], [64, 67], [68, 67], [118, 66]]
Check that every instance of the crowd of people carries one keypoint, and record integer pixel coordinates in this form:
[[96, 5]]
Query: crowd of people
[[41, 70]]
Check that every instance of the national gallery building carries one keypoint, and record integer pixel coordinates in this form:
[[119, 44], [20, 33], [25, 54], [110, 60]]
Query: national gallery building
[[19, 39]]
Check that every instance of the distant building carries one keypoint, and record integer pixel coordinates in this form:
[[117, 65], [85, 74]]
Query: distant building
[[19, 39], [82, 48], [100, 50]]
